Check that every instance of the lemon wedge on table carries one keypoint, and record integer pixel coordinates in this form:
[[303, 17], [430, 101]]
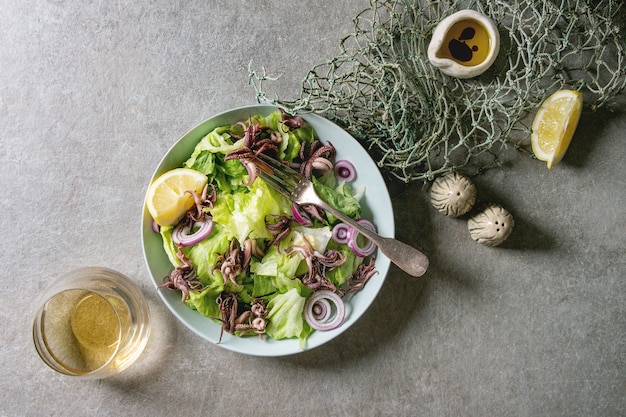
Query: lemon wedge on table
[[167, 199], [554, 125]]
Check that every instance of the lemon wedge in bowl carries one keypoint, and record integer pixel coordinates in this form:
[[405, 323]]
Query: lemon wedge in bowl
[[168, 198], [554, 125]]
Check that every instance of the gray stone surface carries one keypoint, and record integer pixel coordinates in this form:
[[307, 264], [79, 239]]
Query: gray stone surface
[[91, 96]]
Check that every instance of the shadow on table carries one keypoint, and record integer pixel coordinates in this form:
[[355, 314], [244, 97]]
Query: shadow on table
[[402, 298], [162, 340], [589, 133], [402, 302]]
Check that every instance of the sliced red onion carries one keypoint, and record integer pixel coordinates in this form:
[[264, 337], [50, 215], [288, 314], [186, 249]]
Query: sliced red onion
[[155, 227], [300, 215], [183, 237], [341, 232], [322, 310], [345, 170], [353, 243], [319, 312]]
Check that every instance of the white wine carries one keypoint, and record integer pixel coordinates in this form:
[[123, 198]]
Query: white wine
[[97, 328], [83, 329], [94, 323]]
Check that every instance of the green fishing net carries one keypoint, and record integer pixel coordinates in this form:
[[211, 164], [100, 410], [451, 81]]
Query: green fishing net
[[417, 122]]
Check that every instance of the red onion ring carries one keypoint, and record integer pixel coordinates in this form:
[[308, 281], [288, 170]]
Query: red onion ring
[[318, 311], [353, 244], [182, 236], [155, 227], [345, 170], [322, 310], [341, 232], [300, 215]]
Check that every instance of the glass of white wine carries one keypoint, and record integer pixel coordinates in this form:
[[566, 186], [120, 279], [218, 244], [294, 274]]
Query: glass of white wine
[[91, 323]]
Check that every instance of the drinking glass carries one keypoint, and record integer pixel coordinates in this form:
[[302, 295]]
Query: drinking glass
[[92, 322]]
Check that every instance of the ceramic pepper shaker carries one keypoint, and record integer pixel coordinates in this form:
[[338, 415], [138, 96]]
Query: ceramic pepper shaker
[[453, 194], [491, 226]]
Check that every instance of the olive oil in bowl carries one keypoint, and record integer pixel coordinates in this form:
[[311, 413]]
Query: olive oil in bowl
[[467, 42]]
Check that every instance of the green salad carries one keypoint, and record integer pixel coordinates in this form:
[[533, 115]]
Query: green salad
[[250, 259]]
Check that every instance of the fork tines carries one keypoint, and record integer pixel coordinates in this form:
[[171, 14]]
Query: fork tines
[[279, 175]]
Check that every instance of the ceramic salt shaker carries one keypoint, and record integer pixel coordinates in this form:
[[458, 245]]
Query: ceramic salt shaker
[[491, 226], [464, 44], [453, 194]]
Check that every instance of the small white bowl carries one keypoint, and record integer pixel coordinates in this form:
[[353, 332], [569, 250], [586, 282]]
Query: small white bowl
[[464, 44]]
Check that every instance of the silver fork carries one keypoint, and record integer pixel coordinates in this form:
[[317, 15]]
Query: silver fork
[[300, 190]]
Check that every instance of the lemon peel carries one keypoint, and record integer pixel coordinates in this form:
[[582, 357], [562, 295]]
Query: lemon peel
[[167, 198]]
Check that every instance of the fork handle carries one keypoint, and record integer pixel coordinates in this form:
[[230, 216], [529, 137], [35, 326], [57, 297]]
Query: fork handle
[[409, 259]]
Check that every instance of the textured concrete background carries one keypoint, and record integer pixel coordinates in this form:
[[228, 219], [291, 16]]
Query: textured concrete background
[[91, 96]]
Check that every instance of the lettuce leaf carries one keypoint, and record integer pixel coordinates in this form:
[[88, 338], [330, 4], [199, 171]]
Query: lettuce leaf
[[278, 264], [169, 246], [277, 270], [340, 198], [204, 302], [208, 158], [220, 140], [286, 317], [292, 139], [243, 214], [204, 256], [340, 274]]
